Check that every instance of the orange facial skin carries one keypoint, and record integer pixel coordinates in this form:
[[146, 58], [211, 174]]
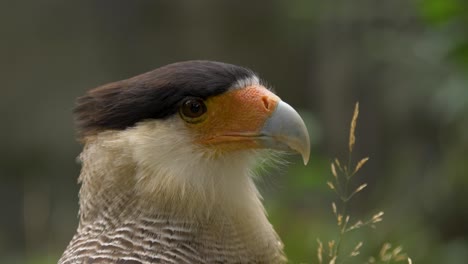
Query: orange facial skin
[[234, 119]]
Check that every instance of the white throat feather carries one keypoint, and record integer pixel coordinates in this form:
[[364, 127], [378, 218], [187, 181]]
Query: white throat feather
[[157, 163]]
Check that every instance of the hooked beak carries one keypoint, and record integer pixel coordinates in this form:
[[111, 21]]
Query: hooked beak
[[285, 130]]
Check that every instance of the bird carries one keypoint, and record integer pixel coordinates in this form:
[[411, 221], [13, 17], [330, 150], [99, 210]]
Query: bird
[[167, 166]]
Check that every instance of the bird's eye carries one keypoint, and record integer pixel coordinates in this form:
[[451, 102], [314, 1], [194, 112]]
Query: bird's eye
[[192, 109]]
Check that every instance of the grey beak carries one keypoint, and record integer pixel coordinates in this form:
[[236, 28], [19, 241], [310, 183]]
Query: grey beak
[[285, 130]]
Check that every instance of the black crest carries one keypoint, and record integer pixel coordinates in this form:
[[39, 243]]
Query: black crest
[[153, 95]]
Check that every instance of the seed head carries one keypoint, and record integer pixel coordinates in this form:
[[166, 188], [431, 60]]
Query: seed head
[[352, 138]]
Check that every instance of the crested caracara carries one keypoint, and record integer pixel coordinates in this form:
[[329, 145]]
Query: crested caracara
[[166, 167]]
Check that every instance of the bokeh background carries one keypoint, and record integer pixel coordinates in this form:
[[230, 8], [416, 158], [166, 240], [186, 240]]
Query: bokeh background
[[405, 61]]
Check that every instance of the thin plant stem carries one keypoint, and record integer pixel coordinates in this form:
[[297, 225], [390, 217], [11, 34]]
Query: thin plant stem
[[344, 199]]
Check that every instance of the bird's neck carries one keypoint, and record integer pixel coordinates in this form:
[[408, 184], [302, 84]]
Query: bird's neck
[[118, 190]]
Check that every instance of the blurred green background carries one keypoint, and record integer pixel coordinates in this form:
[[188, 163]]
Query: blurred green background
[[405, 61]]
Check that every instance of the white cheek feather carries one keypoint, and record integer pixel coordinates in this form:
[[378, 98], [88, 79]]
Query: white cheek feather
[[175, 175]]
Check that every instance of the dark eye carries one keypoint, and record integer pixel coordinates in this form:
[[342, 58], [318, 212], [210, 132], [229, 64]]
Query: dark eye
[[193, 108]]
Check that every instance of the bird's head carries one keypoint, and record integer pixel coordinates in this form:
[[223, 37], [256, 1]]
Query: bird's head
[[188, 130]]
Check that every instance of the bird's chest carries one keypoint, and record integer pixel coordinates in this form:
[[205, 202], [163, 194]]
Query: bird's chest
[[160, 240]]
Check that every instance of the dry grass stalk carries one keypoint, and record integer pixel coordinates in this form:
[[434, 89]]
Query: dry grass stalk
[[358, 189], [355, 251], [352, 138], [334, 171], [389, 255], [337, 162], [320, 251], [377, 217], [339, 184], [331, 247], [360, 164]]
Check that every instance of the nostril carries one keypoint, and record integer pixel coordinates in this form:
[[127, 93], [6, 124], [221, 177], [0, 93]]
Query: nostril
[[266, 102]]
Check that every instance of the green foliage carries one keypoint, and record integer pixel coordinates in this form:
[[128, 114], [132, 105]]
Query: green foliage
[[452, 17], [441, 11]]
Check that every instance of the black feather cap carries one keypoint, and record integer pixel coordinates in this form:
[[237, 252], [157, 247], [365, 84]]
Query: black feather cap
[[153, 95]]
